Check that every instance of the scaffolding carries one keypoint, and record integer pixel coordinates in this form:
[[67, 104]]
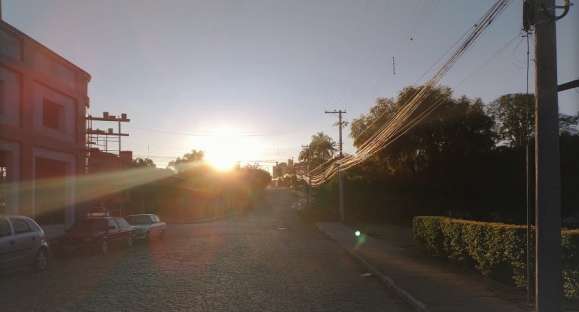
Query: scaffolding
[[108, 140]]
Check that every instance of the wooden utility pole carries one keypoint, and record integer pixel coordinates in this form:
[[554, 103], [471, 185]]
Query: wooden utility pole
[[340, 183], [548, 290]]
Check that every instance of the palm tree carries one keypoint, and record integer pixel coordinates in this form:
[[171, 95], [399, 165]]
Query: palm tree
[[322, 148]]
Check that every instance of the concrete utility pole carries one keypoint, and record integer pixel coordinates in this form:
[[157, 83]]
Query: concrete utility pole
[[308, 186], [548, 291], [340, 183]]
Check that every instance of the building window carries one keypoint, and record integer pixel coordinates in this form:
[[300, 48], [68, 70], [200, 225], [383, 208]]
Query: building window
[[52, 115]]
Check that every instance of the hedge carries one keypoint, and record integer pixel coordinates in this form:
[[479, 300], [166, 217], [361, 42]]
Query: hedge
[[492, 247]]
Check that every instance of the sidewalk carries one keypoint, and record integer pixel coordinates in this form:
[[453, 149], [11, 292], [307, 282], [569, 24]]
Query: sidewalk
[[424, 282]]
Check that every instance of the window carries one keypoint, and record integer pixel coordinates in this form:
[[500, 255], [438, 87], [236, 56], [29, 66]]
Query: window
[[52, 115], [35, 227], [112, 224], [4, 228], [139, 219], [20, 226], [122, 223]]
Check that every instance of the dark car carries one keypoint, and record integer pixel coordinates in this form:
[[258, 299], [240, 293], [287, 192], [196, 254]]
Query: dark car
[[98, 234], [22, 242]]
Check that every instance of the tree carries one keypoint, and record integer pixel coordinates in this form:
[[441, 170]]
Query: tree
[[435, 167], [143, 163], [184, 163], [462, 160], [256, 178], [458, 127], [568, 124], [514, 117], [361, 128], [321, 149]]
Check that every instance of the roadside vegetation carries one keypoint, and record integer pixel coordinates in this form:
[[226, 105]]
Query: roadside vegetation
[[466, 160], [459, 177], [494, 249], [192, 189]]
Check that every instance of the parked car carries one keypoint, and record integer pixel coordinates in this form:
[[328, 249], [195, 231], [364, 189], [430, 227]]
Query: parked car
[[147, 226], [22, 242], [98, 234]]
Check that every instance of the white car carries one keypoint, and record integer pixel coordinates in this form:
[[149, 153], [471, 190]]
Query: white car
[[22, 241], [147, 226]]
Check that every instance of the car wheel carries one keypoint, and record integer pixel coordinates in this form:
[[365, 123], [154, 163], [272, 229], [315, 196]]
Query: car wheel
[[104, 247], [41, 260]]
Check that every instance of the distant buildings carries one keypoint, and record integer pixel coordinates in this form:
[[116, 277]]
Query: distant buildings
[[43, 103], [282, 169]]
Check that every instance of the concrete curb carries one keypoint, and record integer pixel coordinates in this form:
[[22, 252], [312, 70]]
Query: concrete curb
[[416, 304]]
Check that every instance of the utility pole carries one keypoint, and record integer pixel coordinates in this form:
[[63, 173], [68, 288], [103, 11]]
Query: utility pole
[[340, 145], [528, 173], [308, 186], [548, 290]]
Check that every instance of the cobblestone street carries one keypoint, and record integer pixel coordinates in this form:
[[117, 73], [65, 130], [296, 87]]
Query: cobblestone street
[[268, 260]]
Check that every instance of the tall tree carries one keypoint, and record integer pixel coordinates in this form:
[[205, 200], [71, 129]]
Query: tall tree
[[321, 149], [514, 117]]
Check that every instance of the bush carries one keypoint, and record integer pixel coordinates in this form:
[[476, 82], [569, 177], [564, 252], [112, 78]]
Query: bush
[[492, 248]]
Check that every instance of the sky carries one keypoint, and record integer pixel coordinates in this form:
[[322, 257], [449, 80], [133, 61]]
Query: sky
[[258, 74]]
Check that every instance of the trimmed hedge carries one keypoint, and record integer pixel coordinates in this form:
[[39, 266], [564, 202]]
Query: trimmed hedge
[[492, 247]]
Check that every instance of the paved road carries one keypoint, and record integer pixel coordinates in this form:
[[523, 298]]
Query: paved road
[[266, 261]]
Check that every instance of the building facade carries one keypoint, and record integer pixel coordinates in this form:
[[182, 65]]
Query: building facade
[[43, 103]]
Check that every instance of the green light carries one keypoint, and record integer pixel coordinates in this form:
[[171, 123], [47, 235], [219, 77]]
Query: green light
[[357, 233]]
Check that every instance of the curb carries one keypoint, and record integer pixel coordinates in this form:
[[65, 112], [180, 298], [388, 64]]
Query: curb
[[416, 304]]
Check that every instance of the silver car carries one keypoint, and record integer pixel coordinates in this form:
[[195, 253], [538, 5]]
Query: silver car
[[22, 242], [147, 225]]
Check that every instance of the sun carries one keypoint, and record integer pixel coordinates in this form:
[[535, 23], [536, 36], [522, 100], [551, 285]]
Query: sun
[[221, 159], [227, 147]]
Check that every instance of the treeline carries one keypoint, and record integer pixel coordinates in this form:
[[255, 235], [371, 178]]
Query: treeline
[[192, 189], [465, 160]]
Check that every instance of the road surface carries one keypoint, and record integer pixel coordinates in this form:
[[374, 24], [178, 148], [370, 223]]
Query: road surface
[[268, 260]]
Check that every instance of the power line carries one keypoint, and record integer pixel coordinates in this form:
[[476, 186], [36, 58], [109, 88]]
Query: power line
[[409, 115], [491, 58]]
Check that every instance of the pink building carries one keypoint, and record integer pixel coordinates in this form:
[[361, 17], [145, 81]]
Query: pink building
[[43, 103]]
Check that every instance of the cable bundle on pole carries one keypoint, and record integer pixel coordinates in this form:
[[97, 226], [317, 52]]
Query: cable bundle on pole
[[413, 112]]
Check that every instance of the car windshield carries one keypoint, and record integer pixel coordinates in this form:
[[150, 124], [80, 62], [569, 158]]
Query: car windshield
[[139, 220]]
